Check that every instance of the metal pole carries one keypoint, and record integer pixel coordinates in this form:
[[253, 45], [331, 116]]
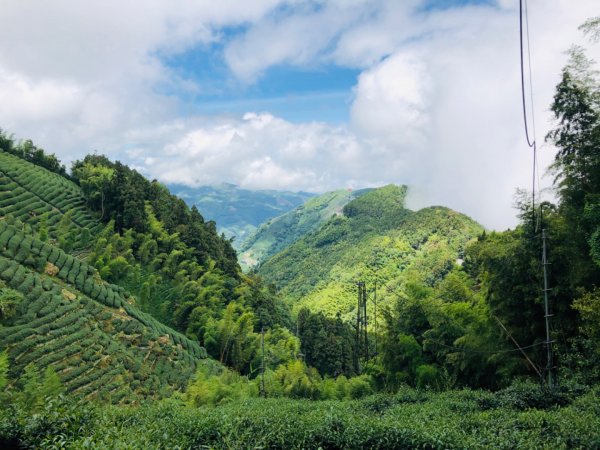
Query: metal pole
[[547, 314], [364, 300], [262, 364], [375, 316], [358, 327]]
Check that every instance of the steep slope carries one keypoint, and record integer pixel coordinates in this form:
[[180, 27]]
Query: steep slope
[[276, 234], [32, 195], [238, 212], [56, 311], [376, 240], [89, 331]]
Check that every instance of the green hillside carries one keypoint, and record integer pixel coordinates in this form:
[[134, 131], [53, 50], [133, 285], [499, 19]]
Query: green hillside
[[126, 321], [278, 233], [114, 282], [375, 240], [33, 195], [57, 311], [236, 211]]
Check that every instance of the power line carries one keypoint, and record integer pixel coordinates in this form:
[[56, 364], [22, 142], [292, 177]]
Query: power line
[[486, 352], [531, 141], [391, 290]]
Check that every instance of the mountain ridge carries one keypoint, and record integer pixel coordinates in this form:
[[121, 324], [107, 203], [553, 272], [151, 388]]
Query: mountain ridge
[[278, 233], [238, 211], [376, 240]]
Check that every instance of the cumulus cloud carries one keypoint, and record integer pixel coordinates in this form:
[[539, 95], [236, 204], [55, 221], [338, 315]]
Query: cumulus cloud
[[392, 102], [436, 104], [260, 150], [77, 76]]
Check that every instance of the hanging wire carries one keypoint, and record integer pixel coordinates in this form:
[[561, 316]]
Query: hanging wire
[[536, 166], [531, 140], [486, 352], [391, 290]]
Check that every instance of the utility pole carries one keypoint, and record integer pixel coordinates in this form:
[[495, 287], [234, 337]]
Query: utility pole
[[366, 336], [262, 363], [547, 315], [358, 327], [375, 315]]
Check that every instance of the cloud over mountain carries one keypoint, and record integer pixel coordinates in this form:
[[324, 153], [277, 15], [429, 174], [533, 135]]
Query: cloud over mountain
[[435, 103]]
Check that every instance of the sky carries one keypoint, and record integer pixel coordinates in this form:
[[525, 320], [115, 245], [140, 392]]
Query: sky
[[310, 95]]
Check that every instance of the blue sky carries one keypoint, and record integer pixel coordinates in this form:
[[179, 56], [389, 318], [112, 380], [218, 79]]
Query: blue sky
[[297, 93], [309, 95]]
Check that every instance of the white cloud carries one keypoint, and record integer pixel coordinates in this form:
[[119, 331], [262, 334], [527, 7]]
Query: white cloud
[[77, 76], [436, 105], [392, 102], [20, 99], [260, 150]]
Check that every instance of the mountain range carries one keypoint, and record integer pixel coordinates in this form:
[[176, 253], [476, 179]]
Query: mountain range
[[239, 212]]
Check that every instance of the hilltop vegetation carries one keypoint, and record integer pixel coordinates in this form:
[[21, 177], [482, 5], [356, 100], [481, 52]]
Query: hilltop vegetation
[[236, 211], [280, 232], [39, 198], [374, 238]]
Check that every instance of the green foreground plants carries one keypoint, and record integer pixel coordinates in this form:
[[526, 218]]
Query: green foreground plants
[[408, 419]]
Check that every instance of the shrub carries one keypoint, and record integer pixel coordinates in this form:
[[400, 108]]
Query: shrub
[[360, 386]]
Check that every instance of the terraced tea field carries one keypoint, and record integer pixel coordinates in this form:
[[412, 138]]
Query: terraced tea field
[[28, 192], [91, 332]]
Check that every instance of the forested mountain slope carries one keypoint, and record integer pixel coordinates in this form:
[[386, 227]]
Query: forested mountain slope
[[105, 234], [236, 211], [277, 234], [375, 240], [56, 311]]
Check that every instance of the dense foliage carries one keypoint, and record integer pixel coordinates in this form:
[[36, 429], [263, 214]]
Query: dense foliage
[[29, 152], [327, 344], [50, 241], [279, 233], [121, 194], [57, 313], [376, 239], [522, 416], [45, 203]]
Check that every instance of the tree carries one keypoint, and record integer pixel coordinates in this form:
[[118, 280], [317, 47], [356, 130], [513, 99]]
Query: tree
[[327, 344], [9, 301], [231, 339], [37, 387], [576, 107], [95, 182], [3, 370]]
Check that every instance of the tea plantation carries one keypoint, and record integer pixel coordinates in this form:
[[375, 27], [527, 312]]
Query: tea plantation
[[514, 418], [63, 314], [31, 194]]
